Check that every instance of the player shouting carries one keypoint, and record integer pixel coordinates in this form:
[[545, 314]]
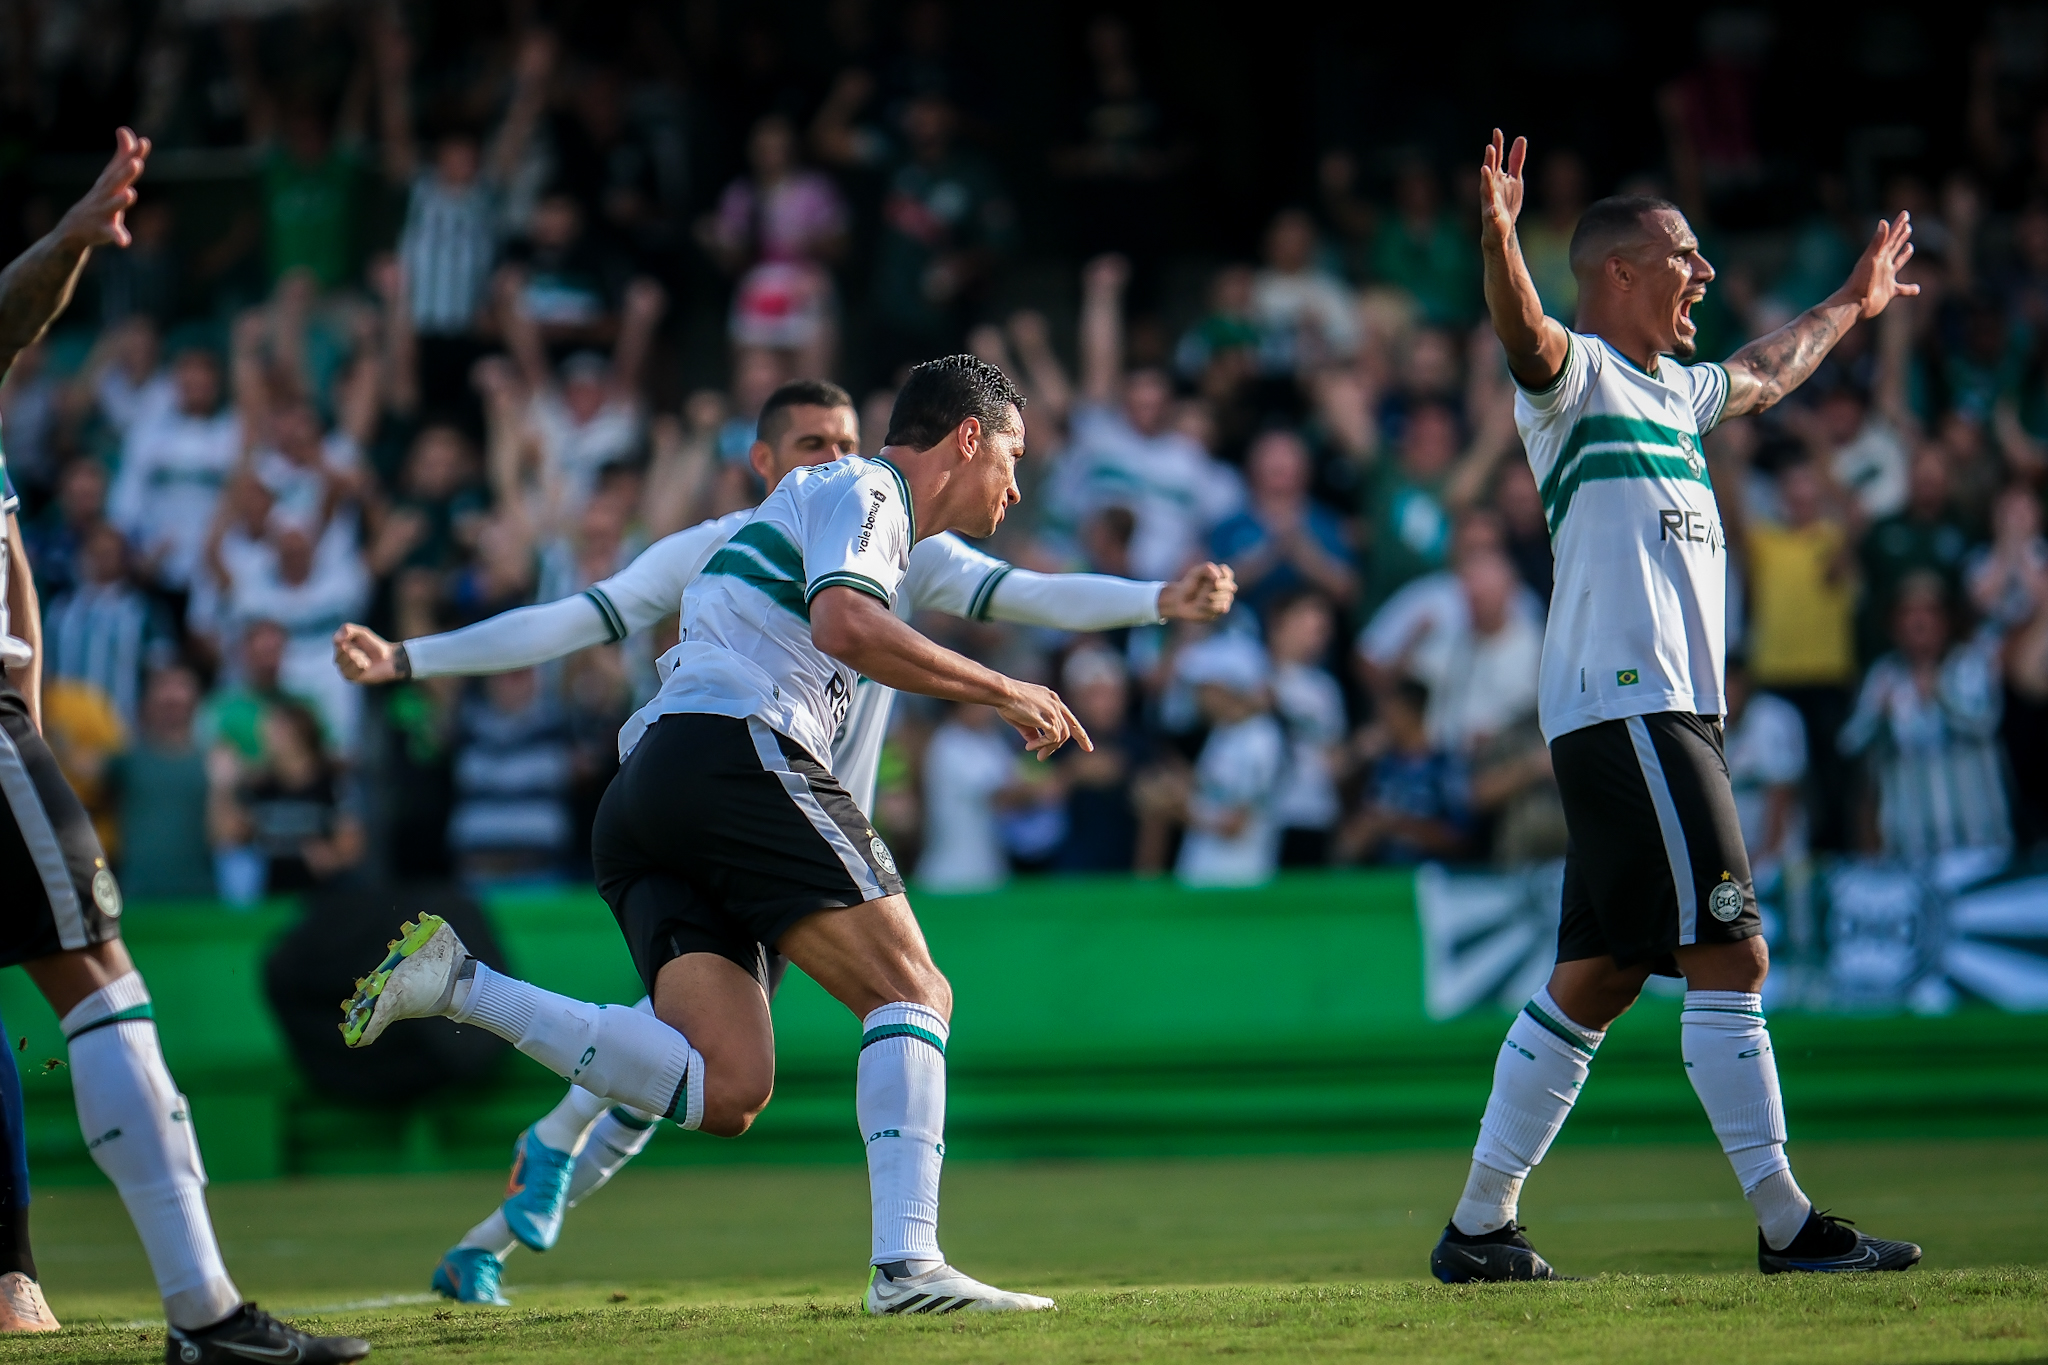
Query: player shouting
[[1630, 699], [60, 907], [580, 1144], [723, 831]]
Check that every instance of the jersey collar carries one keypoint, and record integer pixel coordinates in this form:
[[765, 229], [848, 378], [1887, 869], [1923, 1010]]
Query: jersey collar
[[903, 484], [1615, 351]]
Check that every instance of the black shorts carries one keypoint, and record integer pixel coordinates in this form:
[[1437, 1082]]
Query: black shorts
[[56, 890], [1655, 860], [719, 834]]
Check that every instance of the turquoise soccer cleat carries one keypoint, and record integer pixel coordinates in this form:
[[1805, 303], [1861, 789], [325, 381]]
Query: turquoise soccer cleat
[[470, 1275], [538, 1193]]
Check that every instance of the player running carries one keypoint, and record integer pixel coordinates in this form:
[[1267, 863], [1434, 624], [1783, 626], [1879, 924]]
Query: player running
[[580, 1144], [723, 831], [1630, 699], [60, 909]]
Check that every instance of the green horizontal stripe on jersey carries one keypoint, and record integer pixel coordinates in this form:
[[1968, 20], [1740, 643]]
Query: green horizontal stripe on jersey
[[846, 578], [786, 593], [985, 595], [1630, 463], [772, 545], [1608, 429]]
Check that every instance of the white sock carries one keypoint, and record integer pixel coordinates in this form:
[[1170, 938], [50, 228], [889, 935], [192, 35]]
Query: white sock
[[565, 1126], [494, 1235], [624, 1055], [1536, 1081], [1727, 1053], [900, 1098], [139, 1130], [618, 1137]]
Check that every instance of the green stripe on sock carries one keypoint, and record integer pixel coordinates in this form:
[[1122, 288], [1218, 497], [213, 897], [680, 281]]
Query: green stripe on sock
[[876, 1035], [145, 1010], [1571, 1039], [1720, 1009], [633, 1121]]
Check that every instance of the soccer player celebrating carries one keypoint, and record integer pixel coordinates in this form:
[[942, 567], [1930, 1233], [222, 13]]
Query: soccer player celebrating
[[1630, 699], [60, 907], [723, 830], [584, 1140]]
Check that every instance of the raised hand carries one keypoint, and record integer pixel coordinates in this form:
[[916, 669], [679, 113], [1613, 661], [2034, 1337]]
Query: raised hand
[[1203, 593], [100, 218], [363, 656], [1874, 282], [1501, 187]]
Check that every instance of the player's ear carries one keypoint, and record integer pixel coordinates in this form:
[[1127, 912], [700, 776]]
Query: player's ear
[[968, 433], [761, 457]]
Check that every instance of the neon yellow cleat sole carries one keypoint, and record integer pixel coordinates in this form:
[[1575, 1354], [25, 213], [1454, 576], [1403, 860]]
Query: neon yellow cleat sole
[[414, 981]]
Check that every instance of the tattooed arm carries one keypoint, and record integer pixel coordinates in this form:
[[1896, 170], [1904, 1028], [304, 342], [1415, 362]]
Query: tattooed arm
[[1763, 372], [34, 290]]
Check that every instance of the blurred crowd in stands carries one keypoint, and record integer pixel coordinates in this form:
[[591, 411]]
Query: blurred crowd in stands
[[447, 353]]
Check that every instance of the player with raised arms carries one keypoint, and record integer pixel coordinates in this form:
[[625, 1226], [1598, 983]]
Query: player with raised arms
[[580, 1144], [1630, 700], [60, 906], [724, 831]]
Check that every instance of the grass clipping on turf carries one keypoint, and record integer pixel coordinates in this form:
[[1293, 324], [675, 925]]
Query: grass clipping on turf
[[1970, 1315]]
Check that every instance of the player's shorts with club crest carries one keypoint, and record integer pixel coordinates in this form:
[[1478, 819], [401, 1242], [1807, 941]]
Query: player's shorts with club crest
[[718, 834], [1655, 861], [56, 890]]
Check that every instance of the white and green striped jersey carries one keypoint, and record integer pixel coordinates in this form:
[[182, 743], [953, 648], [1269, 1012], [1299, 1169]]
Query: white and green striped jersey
[[1637, 619], [746, 647]]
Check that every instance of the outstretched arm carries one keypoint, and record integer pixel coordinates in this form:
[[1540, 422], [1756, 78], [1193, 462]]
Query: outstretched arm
[[1093, 601], [1536, 344], [515, 639], [36, 287], [1102, 327], [1770, 367]]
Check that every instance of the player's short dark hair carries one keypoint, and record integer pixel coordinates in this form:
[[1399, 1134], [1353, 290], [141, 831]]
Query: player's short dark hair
[[1414, 692], [797, 393], [939, 395], [1609, 222]]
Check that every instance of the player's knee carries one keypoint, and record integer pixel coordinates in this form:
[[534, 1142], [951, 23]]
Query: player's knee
[[734, 1096], [934, 992]]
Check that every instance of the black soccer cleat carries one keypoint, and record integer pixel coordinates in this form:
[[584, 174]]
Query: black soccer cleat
[[1491, 1257], [1828, 1245], [250, 1334]]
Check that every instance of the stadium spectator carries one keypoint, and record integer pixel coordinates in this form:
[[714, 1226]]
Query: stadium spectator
[[101, 633], [291, 810], [513, 772], [1101, 825], [1424, 251], [1418, 799], [779, 228], [1765, 743], [1924, 537], [57, 536], [1310, 707], [174, 461], [2008, 583], [1305, 314], [1928, 718], [1282, 541], [1411, 500], [159, 788], [968, 766], [1232, 815], [309, 588]]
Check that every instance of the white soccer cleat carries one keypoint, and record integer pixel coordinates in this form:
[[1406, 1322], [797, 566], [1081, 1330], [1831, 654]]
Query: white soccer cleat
[[945, 1290], [415, 980], [22, 1307]]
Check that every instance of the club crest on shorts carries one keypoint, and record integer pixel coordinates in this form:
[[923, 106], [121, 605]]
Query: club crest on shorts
[[1726, 901], [884, 859], [106, 893]]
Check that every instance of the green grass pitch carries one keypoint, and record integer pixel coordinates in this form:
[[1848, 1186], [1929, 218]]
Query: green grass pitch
[[1309, 1258]]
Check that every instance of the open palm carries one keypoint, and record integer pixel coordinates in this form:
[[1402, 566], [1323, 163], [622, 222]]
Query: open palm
[[1501, 185], [1874, 282]]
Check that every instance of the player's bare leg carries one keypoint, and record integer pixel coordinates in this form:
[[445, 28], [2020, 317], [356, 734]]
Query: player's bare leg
[[872, 959]]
